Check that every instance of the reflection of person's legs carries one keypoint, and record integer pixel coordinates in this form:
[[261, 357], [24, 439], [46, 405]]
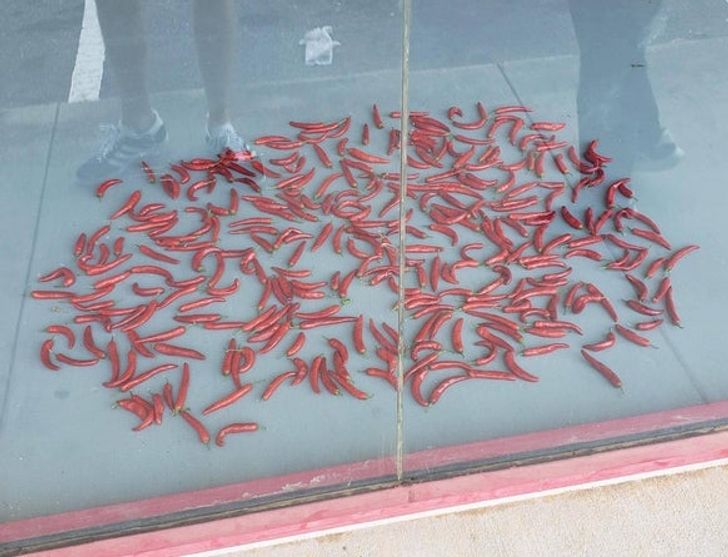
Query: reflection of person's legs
[[123, 31], [141, 130], [215, 40], [615, 99], [214, 37]]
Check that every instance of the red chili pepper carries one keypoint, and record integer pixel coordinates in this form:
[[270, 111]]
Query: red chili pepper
[[671, 309], [90, 345], [65, 331], [156, 255], [678, 255], [179, 403], [640, 287], [179, 351], [296, 345], [639, 307], [104, 186], [648, 325], [234, 428], [151, 177], [605, 371], [46, 350], [139, 379], [632, 336], [377, 117], [228, 400], [75, 361], [570, 219], [544, 349], [515, 369], [198, 426]]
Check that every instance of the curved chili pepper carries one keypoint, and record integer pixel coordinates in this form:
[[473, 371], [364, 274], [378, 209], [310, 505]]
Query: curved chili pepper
[[179, 403], [605, 371], [648, 325], [632, 336], [570, 219], [75, 361], [156, 255], [296, 345], [46, 349], [639, 307], [64, 331], [104, 186], [234, 428], [228, 400], [139, 379], [179, 351], [678, 255], [671, 309], [198, 426], [515, 369]]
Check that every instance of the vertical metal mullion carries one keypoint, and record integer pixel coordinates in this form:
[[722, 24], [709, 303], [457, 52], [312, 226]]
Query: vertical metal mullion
[[404, 130]]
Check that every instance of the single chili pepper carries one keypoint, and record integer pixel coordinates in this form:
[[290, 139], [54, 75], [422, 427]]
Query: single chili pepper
[[654, 267], [651, 236], [605, 371], [139, 379], [46, 350], [179, 351], [297, 344], [76, 362], [68, 276], [661, 290], [151, 177], [570, 219], [104, 186], [90, 345], [198, 426], [276, 382], [65, 332], [678, 255], [640, 287], [179, 403], [671, 309], [156, 255], [168, 397], [234, 428], [515, 369], [544, 349], [228, 400], [632, 336], [641, 308], [158, 405], [648, 325]]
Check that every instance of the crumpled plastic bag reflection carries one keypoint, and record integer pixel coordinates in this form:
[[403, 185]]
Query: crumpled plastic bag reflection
[[319, 46]]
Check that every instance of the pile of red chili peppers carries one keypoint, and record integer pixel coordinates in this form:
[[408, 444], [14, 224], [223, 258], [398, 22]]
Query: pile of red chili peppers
[[184, 241]]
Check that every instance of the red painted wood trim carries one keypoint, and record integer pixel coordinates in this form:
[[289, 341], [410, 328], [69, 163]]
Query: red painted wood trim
[[341, 474], [402, 501]]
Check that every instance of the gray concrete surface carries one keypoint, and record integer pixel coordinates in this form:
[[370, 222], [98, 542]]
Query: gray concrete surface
[[40, 38], [683, 515]]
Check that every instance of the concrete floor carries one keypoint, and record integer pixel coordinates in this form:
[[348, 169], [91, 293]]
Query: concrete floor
[[681, 515]]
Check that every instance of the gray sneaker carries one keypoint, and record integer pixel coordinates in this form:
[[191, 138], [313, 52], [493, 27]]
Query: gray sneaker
[[662, 155], [122, 148], [225, 138]]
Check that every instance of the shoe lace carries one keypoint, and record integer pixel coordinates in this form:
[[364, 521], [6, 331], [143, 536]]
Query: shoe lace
[[111, 134]]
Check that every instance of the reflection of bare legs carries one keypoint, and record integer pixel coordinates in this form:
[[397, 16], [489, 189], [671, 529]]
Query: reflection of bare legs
[[141, 130], [214, 37], [123, 31], [215, 41]]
